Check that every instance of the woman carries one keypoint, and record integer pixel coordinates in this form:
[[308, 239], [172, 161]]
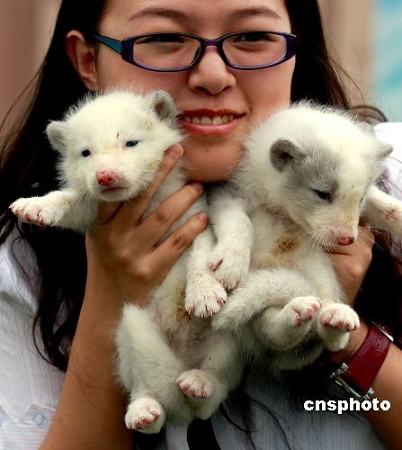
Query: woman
[[82, 284]]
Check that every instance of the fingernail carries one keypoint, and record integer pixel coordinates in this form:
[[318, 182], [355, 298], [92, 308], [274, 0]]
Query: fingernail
[[175, 151], [203, 217], [196, 185]]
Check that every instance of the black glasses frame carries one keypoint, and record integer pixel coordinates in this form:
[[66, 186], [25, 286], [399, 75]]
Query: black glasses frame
[[125, 49]]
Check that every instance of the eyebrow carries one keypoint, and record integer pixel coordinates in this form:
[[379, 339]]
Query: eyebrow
[[183, 17]]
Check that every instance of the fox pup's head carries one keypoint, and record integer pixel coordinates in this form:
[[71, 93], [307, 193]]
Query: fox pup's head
[[111, 145], [316, 165]]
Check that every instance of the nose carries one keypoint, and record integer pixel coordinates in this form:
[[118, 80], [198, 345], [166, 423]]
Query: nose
[[211, 75], [345, 240], [105, 177]]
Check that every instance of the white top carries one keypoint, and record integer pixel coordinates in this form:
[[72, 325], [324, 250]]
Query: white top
[[30, 387]]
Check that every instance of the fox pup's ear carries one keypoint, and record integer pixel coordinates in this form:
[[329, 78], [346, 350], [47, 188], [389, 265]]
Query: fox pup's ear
[[283, 153], [56, 132], [164, 107]]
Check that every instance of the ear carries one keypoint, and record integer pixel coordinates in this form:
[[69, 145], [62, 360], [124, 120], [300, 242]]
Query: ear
[[56, 132], [283, 153], [83, 57], [163, 106], [384, 150]]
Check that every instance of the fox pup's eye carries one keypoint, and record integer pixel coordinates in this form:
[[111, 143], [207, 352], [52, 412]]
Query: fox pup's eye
[[322, 194], [130, 144], [85, 153]]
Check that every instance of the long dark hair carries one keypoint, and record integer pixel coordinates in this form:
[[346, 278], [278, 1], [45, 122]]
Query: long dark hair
[[27, 167], [27, 163]]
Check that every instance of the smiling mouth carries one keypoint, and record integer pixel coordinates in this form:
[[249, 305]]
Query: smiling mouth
[[209, 123], [206, 120], [208, 117]]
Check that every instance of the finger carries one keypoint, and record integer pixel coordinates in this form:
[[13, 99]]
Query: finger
[[366, 236], [157, 224], [168, 252], [132, 210], [107, 211]]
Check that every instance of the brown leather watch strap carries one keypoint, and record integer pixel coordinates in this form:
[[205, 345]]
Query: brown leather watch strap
[[358, 374]]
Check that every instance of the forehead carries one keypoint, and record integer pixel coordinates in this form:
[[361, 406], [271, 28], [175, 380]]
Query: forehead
[[195, 13]]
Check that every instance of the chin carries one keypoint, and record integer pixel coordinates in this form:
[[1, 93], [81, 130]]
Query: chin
[[211, 164], [208, 173]]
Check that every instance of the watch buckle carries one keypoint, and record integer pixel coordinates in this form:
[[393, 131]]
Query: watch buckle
[[337, 377]]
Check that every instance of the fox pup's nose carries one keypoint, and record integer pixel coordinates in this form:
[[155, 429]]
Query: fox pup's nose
[[346, 240], [105, 177]]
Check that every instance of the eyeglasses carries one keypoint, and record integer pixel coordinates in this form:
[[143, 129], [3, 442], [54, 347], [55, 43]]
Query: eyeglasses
[[175, 52]]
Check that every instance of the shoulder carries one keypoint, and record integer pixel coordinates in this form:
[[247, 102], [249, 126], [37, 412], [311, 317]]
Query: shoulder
[[391, 133]]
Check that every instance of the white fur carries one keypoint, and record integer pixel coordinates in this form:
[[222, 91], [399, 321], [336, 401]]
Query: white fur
[[291, 300], [170, 365]]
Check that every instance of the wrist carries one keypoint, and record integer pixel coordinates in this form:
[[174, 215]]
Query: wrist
[[356, 338], [357, 374]]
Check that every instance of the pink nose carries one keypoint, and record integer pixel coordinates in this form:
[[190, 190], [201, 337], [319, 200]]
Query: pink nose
[[105, 177], [346, 240]]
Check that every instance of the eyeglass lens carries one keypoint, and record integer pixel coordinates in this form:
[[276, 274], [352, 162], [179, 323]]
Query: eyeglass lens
[[172, 51]]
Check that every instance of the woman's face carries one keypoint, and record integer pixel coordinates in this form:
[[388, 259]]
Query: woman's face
[[211, 88]]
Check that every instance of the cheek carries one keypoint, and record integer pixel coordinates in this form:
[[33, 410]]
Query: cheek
[[271, 90]]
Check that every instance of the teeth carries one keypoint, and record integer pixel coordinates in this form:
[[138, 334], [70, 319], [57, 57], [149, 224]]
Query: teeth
[[205, 120]]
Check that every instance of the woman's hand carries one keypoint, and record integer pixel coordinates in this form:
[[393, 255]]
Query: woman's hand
[[352, 261], [126, 260], [351, 264], [124, 252]]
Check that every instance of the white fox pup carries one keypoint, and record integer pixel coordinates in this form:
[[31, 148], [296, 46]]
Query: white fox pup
[[110, 148], [306, 177]]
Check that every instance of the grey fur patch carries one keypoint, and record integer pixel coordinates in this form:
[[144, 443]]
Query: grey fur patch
[[164, 107], [283, 152], [318, 171]]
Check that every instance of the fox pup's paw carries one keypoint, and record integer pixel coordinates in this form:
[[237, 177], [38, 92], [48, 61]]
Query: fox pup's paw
[[230, 265], [195, 384], [335, 322], [301, 310], [35, 210], [204, 295], [339, 317], [145, 415]]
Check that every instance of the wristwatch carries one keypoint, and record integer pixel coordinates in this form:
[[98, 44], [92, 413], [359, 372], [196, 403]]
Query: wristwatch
[[357, 376]]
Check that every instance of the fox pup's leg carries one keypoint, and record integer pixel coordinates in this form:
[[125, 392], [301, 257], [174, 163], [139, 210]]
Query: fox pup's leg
[[383, 211], [283, 328], [148, 369], [204, 294], [335, 321], [230, 259], [220, 371], [264, 289], [53, 209]]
